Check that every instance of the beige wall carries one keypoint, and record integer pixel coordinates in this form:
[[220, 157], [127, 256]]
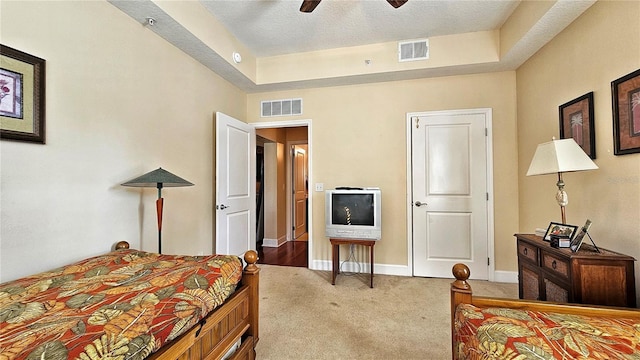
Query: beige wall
[[121, 101], [585, 57], [277, 135], [600, 46], [359, 139], [453, 50], [116, 108], [298, 133], [281, 192], [275, 231], [270, 187]]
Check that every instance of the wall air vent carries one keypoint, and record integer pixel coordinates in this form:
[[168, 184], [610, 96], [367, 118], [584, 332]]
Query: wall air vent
[[413, 50], [281, 107]]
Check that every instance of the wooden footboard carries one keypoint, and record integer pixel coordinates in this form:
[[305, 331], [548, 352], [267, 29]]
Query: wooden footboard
[[216, 334], [461, 293]]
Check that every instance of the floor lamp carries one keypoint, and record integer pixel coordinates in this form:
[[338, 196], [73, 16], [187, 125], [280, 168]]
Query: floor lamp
[[158, 178], [560, 156]]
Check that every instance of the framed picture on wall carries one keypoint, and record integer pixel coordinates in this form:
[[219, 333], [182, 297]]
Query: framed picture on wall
[[576, 121], [22, 96], [625, 96]]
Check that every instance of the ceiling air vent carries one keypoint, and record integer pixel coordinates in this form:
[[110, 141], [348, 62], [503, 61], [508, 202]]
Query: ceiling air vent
[[413, 50], [281, 107]]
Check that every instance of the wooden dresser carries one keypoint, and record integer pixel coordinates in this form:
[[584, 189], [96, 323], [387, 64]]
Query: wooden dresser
[[586, 276]]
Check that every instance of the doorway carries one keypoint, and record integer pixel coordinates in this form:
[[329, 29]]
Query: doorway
[[284, 217]]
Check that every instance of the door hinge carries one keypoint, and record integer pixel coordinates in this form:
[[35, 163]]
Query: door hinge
[[487, 196], [486, 132], [488, 261]]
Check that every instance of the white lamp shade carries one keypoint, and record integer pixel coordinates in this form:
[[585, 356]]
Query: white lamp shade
[[558, 156]]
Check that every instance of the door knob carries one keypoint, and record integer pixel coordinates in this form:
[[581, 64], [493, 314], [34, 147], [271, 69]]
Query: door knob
[[418, 203], [221, 207]]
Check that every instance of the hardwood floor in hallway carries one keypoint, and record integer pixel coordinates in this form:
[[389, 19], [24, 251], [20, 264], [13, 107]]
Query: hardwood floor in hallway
[[291, 253]]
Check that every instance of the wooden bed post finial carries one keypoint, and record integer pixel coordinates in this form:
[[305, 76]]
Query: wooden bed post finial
[[251, 258], [461, 272], [250, 277], [122, 245], [460, 293]]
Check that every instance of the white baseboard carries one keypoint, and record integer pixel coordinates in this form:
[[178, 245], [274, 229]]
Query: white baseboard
[[505, 276], [398, 270], [270, 242], [382, 269], [266, 242]]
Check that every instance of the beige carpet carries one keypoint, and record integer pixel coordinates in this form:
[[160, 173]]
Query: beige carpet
[[303, 316]]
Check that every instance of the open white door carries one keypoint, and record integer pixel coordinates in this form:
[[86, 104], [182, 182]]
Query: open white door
[[235, 186]]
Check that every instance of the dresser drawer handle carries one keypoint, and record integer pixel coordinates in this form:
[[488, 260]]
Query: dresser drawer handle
[[525, 251], [553, 264]]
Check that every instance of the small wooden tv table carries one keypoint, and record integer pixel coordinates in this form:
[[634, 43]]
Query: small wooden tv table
[[335, 254]]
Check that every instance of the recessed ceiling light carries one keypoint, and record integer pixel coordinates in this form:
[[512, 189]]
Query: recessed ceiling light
[[237, 58]]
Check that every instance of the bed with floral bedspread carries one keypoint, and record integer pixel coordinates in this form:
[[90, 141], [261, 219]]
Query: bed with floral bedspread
[[515, 329], [122, 305], [503, 333]]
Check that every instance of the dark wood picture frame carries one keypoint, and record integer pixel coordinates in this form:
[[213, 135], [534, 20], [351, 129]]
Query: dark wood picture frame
[[577, 122], [625, 96], [22, 85]]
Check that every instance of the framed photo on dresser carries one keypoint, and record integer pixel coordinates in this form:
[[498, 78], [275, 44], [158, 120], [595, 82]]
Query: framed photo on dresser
[[560, 229]]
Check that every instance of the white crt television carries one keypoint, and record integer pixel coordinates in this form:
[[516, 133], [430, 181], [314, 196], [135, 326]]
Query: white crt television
[[353, 213]]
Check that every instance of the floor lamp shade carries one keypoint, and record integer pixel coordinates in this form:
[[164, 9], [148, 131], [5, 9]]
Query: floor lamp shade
[[560, 156], [158, 178]]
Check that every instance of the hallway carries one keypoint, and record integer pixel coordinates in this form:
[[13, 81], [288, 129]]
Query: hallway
[[291, 253], [282, 169]]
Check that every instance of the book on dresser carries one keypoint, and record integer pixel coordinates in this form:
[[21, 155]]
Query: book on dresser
[[585, 276]]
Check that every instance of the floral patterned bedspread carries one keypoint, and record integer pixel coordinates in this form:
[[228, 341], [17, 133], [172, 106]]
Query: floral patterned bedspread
[[122, 305], [501, 333]]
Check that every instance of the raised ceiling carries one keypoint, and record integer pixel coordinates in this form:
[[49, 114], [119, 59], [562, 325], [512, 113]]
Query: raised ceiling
[[268, 32], [277, 27]]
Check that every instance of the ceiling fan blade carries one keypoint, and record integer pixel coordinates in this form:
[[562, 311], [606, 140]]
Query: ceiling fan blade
[[309, 5], [396, 3]]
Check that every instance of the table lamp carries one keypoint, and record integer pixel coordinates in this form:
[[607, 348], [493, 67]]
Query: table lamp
[[560, 156], [158, 178]]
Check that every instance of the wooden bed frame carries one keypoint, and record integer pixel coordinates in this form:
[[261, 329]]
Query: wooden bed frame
[[461, 294], [218, 332]]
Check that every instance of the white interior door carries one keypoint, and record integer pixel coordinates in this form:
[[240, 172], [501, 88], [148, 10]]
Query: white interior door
[[449, 192], [299, 182], [235, 186]]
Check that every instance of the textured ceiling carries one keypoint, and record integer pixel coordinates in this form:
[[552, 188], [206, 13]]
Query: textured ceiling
[[278, 27]]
